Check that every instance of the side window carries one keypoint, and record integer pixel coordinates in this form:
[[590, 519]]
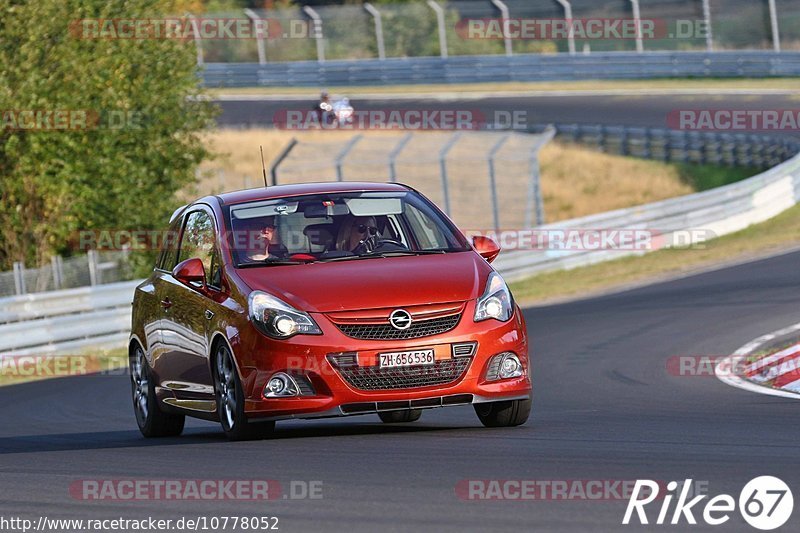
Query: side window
[[428, 234], [198, 241], [169, 254], [215, 275]]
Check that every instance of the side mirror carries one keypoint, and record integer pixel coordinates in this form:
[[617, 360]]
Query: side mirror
[[486, 247], [190, 272]]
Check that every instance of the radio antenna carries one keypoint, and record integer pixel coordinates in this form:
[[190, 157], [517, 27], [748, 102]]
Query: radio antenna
[[263, 166]]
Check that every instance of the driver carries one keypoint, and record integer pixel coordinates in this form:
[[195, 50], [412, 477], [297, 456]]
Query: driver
[[363, 235]]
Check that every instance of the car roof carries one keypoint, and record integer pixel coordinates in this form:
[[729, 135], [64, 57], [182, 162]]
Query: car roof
[[280, 191]]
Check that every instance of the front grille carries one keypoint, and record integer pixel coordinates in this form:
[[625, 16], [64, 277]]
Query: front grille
[[419, 328], [376, 378]]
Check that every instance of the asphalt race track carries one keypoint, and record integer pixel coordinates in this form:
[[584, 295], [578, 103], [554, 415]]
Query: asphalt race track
[[605, 409], [628, 110]]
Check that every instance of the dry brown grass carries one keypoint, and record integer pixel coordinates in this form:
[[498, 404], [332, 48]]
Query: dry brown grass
[[709, 85], [575, 181]]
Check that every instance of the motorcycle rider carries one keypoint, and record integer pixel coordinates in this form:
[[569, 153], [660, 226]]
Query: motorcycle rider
[[324, 109]]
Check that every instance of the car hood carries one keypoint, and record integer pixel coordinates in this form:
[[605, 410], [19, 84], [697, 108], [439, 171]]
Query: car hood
[[373, 283]]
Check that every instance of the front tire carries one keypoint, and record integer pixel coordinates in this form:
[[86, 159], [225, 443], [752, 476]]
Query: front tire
[[507, 413], [400, 417], [152, 421], [230, 401]]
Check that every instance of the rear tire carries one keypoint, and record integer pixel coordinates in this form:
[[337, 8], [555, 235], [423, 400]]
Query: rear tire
[[508, 413], [400, 417], [230, 401], [152, 421]]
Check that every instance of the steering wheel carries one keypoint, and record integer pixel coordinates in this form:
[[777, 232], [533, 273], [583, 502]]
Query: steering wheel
[[395, 242]]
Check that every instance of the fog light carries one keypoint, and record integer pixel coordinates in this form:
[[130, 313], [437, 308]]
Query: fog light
[[504, 366], [510, 367], [281, 385], [276, 385]]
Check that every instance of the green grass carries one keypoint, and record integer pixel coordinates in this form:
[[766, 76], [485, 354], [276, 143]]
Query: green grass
[[770, 349], [775, 235], [704, 177]]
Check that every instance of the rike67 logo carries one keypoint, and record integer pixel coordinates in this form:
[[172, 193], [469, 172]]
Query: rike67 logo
[[765, 503]]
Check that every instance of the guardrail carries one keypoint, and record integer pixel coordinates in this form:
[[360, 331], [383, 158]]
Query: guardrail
[[61, 321], [720, 211], [702, 147], [521, 68]]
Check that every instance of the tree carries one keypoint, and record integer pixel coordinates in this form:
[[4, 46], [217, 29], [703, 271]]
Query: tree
[[134, 112]]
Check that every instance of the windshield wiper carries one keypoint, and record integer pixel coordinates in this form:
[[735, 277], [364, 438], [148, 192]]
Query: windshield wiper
[[270, 263], [400, 253], [347, 258], [414, 252], [373, 255]]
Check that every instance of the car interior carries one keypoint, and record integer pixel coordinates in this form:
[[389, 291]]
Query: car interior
[[319, 229]]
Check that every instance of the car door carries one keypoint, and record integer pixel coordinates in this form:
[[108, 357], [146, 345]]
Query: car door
[[187, 310], [153, 320]]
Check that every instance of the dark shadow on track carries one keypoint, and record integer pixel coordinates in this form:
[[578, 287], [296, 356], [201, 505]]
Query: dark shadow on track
[[133, 439]]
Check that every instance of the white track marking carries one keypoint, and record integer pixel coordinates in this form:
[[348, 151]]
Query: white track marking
[[724, 368]]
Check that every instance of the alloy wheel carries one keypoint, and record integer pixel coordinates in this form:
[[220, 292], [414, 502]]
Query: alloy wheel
[[226, 388], [141, 384]]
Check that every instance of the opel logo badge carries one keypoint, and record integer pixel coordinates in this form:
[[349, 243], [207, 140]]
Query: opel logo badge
[[400, 319]]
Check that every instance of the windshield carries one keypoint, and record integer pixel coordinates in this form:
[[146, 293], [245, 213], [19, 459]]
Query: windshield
[[339, 227]]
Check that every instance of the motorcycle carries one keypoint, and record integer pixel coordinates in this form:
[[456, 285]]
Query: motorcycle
[[336, 115]]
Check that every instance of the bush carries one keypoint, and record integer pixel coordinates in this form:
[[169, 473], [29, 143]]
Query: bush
[[140, 142]]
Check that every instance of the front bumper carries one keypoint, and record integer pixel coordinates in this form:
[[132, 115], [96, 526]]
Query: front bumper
[[306, 355]]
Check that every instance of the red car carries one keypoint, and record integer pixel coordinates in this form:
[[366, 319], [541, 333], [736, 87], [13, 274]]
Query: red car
[[320, 300]]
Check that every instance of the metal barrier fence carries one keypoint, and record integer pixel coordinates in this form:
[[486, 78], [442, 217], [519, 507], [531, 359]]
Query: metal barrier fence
[[519, 68], [94, 268], [66, 321], [474, 176], [461, 170], [419, 28], [701, 147]]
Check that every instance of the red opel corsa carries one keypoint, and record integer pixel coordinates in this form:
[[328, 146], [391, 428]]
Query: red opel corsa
[[320, 300]]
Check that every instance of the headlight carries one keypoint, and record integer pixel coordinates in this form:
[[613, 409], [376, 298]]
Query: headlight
[[496, 301], [277, 319]]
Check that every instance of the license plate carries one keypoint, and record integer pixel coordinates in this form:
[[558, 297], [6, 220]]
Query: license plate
[[411, 358]]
